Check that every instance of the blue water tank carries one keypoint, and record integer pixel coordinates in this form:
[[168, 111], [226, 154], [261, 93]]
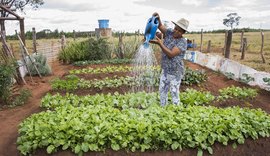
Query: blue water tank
[[103, 23]]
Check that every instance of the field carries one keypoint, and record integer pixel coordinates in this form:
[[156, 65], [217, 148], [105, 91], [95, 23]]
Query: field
[[252, 145], [252, 59]]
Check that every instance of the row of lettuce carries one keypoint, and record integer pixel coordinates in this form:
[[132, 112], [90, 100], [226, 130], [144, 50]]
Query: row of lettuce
[[136, 121], [73, 81], [142, 100]]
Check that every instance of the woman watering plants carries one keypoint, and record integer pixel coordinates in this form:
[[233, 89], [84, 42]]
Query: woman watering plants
[[173, 49]]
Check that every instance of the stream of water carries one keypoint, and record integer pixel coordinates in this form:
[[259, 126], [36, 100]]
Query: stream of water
[[144, 69]]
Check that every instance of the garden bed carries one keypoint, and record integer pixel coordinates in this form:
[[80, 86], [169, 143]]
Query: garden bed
[[10, 118]]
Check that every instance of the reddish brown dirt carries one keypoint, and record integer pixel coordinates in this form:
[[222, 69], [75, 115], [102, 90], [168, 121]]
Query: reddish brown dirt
[[10, 118]]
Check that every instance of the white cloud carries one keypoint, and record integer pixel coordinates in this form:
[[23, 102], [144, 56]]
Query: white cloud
[[224, 9], [242, 3], [192, 2], [131, 15]]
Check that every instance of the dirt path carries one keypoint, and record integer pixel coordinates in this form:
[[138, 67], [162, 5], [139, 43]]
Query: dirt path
[[10, 118]]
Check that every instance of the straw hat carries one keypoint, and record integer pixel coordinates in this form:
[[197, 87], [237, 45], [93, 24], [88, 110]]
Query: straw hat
[[182, 23]]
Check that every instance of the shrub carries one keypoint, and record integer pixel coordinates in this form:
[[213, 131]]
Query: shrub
[[193, 76], [76, 51], [41, 64], [6, 80], [91, 49], [98, 49]]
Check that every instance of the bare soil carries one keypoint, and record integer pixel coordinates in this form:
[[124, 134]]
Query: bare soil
[[11, 117]]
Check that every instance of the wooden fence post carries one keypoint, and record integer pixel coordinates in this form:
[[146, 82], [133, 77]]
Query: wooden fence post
[[12, 48], [225, 42], [121, 45], [138, 34], [245, 41], [241, 41], [52, 54], [209, 46], [201, 40], [22, 32], [34, 40], [262, 54], [228, 44], [7, 54], [193, 41], [74, 35], [244, 47], [63, 42]]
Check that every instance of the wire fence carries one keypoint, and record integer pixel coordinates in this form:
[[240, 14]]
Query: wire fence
[[49, 49]]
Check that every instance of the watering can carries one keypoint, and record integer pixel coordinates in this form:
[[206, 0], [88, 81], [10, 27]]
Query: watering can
[[150, 30]]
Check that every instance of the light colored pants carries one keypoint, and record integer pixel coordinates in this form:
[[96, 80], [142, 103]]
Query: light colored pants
[[169, 81]]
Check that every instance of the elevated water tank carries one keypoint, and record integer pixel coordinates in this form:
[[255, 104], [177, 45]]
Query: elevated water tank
[[103, 23]]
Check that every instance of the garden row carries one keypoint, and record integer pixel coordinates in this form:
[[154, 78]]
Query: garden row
[[189, 97], [73, 81], [135, 121]]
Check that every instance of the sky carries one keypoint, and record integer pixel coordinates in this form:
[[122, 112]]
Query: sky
[[132, 15]]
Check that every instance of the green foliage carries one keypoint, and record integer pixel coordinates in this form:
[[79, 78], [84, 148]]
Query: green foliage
[[90, 49], [109, 61], [116, 100], [193, 77], [143, 100], [40, 61], [232, 20], [98, 49], [20, 5], [73, 82], [193, 97], [70, 83], [107, 69], [100, 127], [76, 51], [130, 46], [6, 80], [237, 92]]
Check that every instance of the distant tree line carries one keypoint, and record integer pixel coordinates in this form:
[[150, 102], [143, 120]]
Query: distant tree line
[[48, 34]]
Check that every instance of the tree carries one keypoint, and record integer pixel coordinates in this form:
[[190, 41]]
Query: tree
[[19, 5], [233, 19]]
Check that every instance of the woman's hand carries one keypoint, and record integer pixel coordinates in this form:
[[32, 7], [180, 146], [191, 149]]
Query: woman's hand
[[155, 14], [158, 39]]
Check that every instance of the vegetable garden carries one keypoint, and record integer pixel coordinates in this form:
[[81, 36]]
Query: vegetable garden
[[90, 108], [122, 120]]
